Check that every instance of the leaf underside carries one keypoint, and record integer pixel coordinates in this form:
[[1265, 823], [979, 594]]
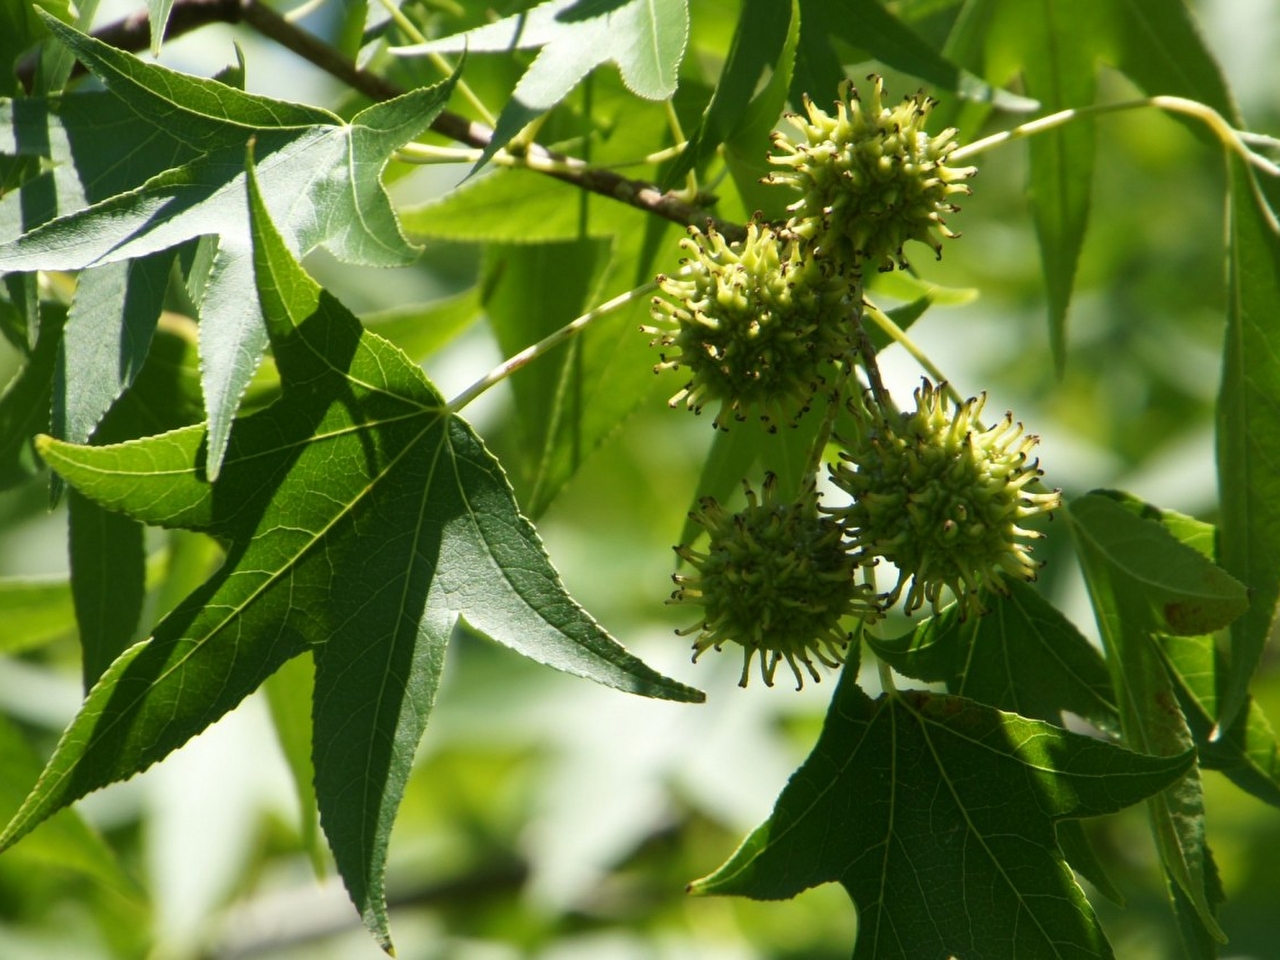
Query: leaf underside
[[364, 522]]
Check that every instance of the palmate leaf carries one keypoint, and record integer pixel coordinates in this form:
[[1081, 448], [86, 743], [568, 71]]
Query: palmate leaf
[[320, 174], [896, 803], [1023, 655], [364, 521]]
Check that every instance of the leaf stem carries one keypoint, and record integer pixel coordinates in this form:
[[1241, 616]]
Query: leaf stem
[[133, 33], [304, 9], [546, 344], [900, 336], [1231, 138], [867, 353], [690, 178], [886, 677]]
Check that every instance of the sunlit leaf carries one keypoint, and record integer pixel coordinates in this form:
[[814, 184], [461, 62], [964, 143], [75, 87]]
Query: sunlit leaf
[[320, 173], [365, 521]]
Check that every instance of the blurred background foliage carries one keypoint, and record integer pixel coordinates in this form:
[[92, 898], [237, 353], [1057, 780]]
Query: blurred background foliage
[[551, 819]]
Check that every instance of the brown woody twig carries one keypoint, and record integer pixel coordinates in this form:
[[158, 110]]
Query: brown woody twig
[[133, 33]]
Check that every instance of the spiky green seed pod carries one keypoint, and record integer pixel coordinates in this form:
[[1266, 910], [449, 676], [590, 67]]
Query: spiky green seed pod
[[776, 580], [756, 323], [870, 179], [943, 498]]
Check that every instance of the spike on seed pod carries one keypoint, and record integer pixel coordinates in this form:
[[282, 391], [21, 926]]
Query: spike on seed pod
[[942, 497], [870, 178], [756, 323], [775, 579]]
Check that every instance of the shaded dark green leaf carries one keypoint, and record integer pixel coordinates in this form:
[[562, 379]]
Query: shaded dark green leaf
[[757, 51], [1249, 429], [1023, 656], [24, 404], [1142, 581], [894, 802]]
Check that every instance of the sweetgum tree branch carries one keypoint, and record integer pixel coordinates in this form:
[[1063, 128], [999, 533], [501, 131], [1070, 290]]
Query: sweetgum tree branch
[[133, 33]]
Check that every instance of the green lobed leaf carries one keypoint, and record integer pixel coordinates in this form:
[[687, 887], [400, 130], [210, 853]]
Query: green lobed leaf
[[204, 114], [1248, 430], [473, 559], [894, 802], [95, 147], [1023, 656], [322, 173], [1142, 581], [645, 39], [364, 521]]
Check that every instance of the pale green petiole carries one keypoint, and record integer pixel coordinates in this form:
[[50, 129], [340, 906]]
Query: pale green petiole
[[1230, 137], [546, 344], [440, 63], [898, 335]]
